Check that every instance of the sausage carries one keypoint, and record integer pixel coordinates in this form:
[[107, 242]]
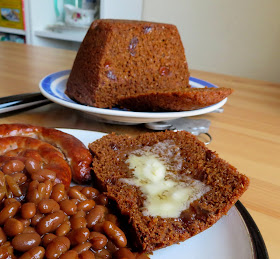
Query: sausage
[[52, 156], [77, 155]]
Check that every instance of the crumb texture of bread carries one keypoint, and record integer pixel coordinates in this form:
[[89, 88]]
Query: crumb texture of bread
[[226, 185], [190, 99], [119, 58]]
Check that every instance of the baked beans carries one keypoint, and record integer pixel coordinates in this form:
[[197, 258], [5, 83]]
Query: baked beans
[[6, 250], [78, 236], [124, 253], [98, 227], [28, 210], [58, 192], [48, 206], [98, 240], [115, 234], [103, 254], [87, 255], [63, 229], [32, 165], [3, 237], [40, 218], [79, 214], [49, 185], [2, 193], [9, 201], [29, 230], [37, 252], [14, 187], [113, 218], [50, 222], [69, 207], [102, 199], [25, 241], [90, 192], [57, 247], [12, 166], [74, 193], [95, 215], [19, 178], [36, 219], [111, 246], [13, 227], [25, 222], [43, 174], [77, 187], [86, 205], [2, 179], [71, 254], [82, 247], [78, 222], [9, 211], [48, 238]]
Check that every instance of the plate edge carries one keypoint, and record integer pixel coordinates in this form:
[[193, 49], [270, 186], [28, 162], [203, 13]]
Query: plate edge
[[257, 239]]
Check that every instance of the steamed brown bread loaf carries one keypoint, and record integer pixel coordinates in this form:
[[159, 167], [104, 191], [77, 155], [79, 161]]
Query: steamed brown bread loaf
[[120, 58], [168, 186]]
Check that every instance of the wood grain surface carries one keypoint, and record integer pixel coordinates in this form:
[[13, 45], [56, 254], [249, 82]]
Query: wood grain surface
[[246, 134]]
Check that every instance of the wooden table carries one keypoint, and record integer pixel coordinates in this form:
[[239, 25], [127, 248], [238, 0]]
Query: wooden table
[[246, 134]]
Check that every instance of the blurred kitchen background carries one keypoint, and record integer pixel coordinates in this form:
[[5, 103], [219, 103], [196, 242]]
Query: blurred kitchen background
[[240, 38]]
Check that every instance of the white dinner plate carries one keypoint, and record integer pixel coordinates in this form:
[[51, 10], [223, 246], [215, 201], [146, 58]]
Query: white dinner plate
[[53, 87], [233, 236]]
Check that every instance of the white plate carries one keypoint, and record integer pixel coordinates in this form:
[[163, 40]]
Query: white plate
[[53, 87], [229, 238]]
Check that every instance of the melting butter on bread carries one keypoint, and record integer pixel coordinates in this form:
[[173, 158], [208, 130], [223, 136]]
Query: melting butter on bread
[[167, 185]]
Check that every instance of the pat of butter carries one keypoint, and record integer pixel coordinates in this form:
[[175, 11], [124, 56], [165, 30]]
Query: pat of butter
[[147, 168], [166, 195]]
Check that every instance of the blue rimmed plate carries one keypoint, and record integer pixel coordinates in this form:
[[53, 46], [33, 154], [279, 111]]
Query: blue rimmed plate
[[53, 87]]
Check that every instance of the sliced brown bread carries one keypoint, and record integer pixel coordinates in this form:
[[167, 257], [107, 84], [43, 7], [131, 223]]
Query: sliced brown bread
[[119, 58], [190, 99], [188, 163]]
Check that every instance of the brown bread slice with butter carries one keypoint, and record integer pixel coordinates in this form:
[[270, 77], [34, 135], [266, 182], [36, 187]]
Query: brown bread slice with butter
[[168, 186]]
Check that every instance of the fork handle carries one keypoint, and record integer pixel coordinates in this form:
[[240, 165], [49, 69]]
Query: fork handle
[[21, 101]]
